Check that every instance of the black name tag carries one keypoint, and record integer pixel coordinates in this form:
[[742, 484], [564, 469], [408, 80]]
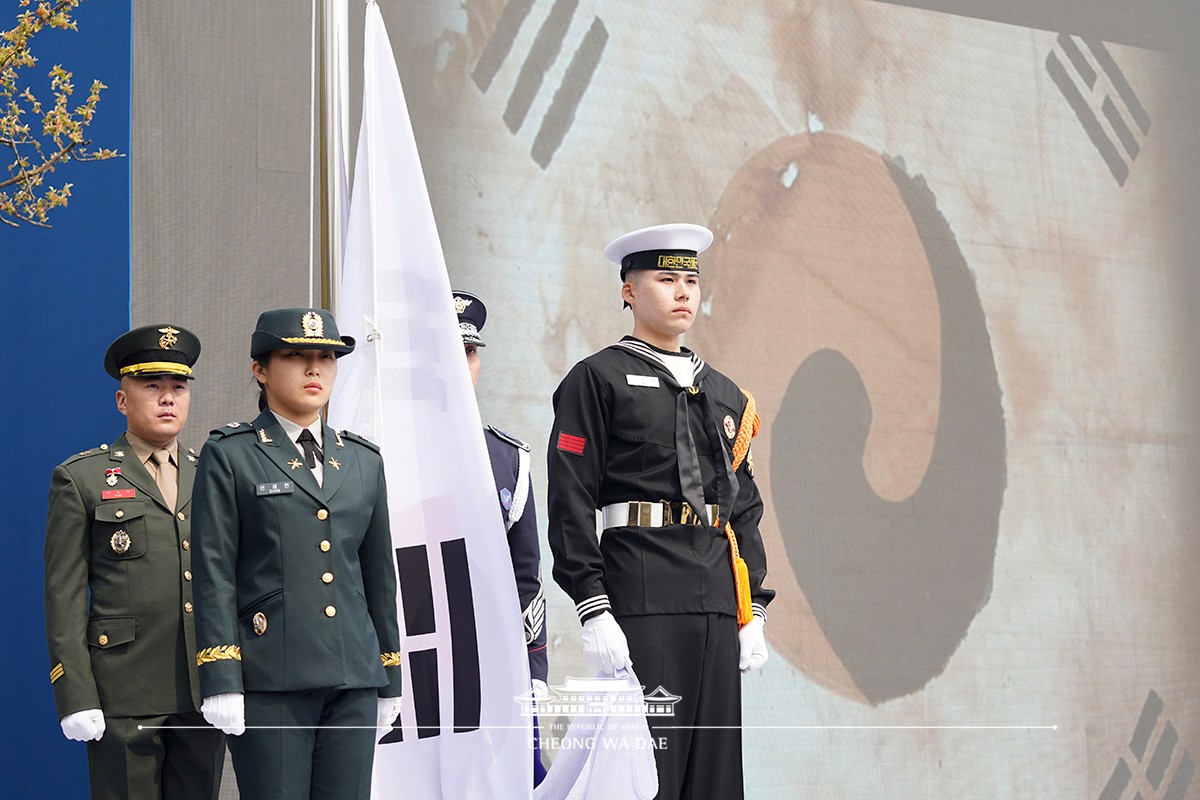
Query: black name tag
[[282, 487]]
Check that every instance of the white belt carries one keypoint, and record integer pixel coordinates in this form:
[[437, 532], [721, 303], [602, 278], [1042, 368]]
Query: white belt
[[648, 514]]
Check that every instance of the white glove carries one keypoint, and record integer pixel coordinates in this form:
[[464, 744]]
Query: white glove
[[540, 692], [752, 645], [226, 712], [604, 646], [386, 711], [83, 726]]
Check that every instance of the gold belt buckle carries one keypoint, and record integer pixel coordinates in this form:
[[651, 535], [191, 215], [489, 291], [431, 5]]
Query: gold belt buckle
[[640, 511]]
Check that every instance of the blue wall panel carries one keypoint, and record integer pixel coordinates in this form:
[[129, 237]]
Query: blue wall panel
[[67, 292]]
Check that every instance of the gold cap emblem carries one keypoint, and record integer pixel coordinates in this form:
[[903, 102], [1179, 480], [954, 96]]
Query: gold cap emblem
[[120, 542], [312, 324], [259, 623], [460, 304], [168, 338]]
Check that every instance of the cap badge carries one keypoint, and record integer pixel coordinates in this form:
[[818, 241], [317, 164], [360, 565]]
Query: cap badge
[[312, 324], [259, 623], [730, 428], [120, 542], [168, 338], [460, 304], [110, 476]]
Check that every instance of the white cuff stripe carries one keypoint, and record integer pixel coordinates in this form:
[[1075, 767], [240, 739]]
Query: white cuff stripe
[[760, 611], [592, 604]]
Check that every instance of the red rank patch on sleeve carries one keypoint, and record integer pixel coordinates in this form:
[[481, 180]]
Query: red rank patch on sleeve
[[118, 494], [571, 444]]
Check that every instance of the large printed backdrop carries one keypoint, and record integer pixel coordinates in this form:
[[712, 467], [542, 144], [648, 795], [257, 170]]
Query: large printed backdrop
[[955, 262], [948, 264]]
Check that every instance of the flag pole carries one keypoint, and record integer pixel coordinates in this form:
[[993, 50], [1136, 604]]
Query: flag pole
[[334, 114]]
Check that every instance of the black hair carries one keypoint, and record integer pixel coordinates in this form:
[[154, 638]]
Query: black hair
[[262, 360]]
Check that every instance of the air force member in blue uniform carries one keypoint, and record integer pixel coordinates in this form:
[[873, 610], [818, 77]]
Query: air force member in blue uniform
[[295, 583], [510, 468]]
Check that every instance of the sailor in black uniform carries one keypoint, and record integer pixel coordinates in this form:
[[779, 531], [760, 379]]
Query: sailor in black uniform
[[658, 441]]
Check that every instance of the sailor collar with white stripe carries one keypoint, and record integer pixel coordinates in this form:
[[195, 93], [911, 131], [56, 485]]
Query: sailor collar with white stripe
[[659, 357]]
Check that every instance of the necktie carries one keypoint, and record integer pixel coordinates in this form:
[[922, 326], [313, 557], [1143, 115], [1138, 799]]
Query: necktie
[[164, 476], [688, 460], [312, 453]]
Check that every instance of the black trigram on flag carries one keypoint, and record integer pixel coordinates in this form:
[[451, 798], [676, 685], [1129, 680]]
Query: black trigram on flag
[[418, 603], [1102, 99], [542, 56], [1154, 768]]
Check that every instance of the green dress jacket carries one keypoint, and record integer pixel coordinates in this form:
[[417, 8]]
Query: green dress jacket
[[295, 582], [129, 650]]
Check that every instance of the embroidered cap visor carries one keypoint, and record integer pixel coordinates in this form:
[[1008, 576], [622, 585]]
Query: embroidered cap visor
[[301, 328], [472, 313], [153, 350]]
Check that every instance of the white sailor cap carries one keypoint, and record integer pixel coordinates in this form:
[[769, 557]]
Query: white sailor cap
[[673, 246]]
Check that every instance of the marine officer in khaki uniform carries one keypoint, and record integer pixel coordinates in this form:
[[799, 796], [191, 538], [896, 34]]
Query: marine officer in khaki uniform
[[119, 607], [295, 579]]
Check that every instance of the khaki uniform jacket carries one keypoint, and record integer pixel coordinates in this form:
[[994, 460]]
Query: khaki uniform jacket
[[130, 650], [295, 582]]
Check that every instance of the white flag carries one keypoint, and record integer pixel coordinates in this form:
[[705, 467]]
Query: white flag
[[407, 387]]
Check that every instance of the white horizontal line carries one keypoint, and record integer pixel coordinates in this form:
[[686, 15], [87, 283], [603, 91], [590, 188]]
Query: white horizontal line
[[544, 723]]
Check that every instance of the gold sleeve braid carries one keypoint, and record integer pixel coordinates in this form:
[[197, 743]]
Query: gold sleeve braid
[[391, 659], [225, 652]]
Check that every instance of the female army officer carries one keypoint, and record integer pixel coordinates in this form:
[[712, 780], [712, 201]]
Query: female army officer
[[295, 586]]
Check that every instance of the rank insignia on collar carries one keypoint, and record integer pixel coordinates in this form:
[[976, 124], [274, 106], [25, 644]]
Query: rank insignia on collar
[[120, 542], [119, 453], [168, 338], [295, 463], [730, 428], [333, 462], [337, 437], [262, 436], [259, 623], [191, 458], [110, 476]]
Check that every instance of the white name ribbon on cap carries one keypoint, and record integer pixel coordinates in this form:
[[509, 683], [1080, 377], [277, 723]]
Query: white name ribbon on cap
[[642, 380]]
